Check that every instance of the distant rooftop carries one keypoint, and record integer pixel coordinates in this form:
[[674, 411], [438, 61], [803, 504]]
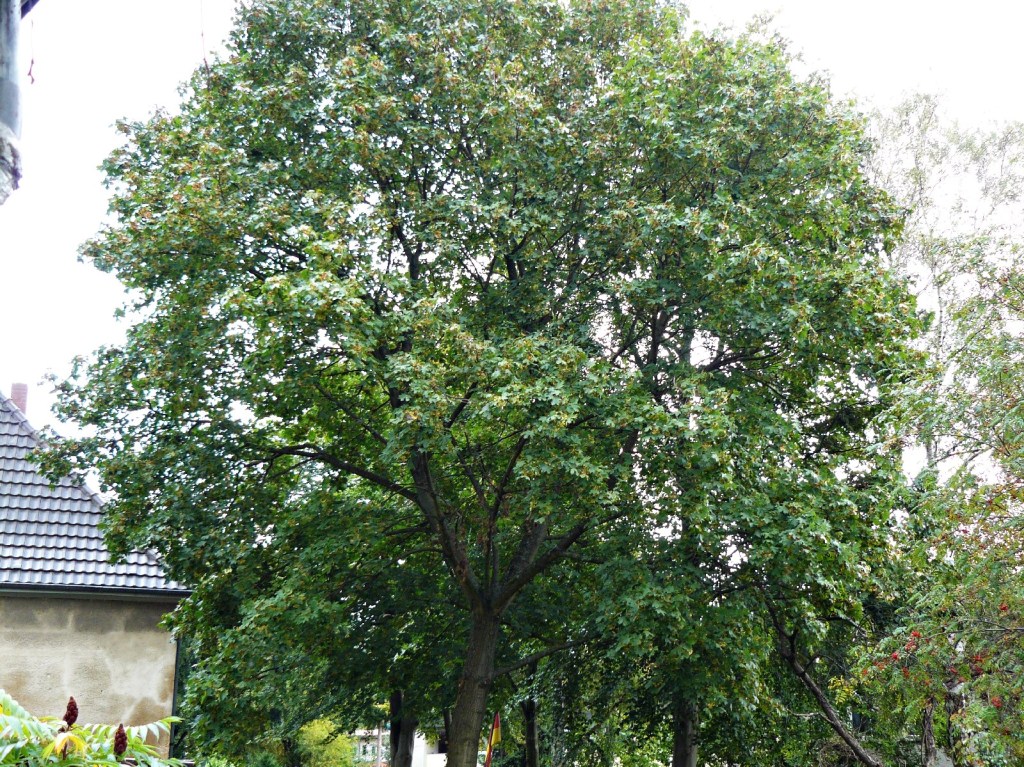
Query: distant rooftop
[[49, 536]]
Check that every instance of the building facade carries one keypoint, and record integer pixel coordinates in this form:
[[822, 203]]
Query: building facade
[[71, 622]]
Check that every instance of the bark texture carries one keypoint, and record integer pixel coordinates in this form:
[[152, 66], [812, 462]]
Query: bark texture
[[403, 732], [955, 744], [470, 709], [928, 752], [529, 708], [685, 727]]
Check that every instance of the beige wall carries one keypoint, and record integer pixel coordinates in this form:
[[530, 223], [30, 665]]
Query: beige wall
[[111, 655]]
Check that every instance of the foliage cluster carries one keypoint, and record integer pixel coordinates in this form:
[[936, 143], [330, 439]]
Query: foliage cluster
[[317, 744], [30, 741]]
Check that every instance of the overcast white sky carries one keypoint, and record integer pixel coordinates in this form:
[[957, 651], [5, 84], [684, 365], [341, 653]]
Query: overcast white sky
[[100, 60]]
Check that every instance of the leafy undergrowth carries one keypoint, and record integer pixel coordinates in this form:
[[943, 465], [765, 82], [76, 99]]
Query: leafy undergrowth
[[27, 740]]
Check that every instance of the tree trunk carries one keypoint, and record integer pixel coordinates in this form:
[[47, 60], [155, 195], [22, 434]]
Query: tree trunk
[[685, 726], [529, 707], [292, 754], [928, 753], [474, 685], [954, 736], [442, 744], [403, 732]]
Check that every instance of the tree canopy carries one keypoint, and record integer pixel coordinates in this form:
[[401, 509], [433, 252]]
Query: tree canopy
[[443, 317]]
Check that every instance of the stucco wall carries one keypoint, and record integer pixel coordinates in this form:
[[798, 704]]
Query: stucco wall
[[111, 655]]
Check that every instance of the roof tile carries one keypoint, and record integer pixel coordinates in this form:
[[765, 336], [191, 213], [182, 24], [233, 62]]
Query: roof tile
[[49, 536]]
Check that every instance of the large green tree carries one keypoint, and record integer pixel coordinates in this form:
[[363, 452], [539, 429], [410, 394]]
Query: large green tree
[[432, 299]]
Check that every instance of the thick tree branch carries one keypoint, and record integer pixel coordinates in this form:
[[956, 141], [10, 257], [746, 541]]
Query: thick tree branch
[[506, 477], [788, 650], [318, 454], [351, 415], [461, 406], [526, 565], [452, 547], [534, 565], [540, 655]]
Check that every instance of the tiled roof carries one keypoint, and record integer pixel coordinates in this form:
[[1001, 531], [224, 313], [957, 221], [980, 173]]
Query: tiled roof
[[49, 536]]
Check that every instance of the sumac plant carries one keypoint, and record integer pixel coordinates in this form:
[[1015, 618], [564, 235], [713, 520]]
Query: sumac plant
[[27, 740]]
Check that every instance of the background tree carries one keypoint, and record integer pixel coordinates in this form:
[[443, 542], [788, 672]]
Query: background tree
[[477, 288], [946, 662]]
